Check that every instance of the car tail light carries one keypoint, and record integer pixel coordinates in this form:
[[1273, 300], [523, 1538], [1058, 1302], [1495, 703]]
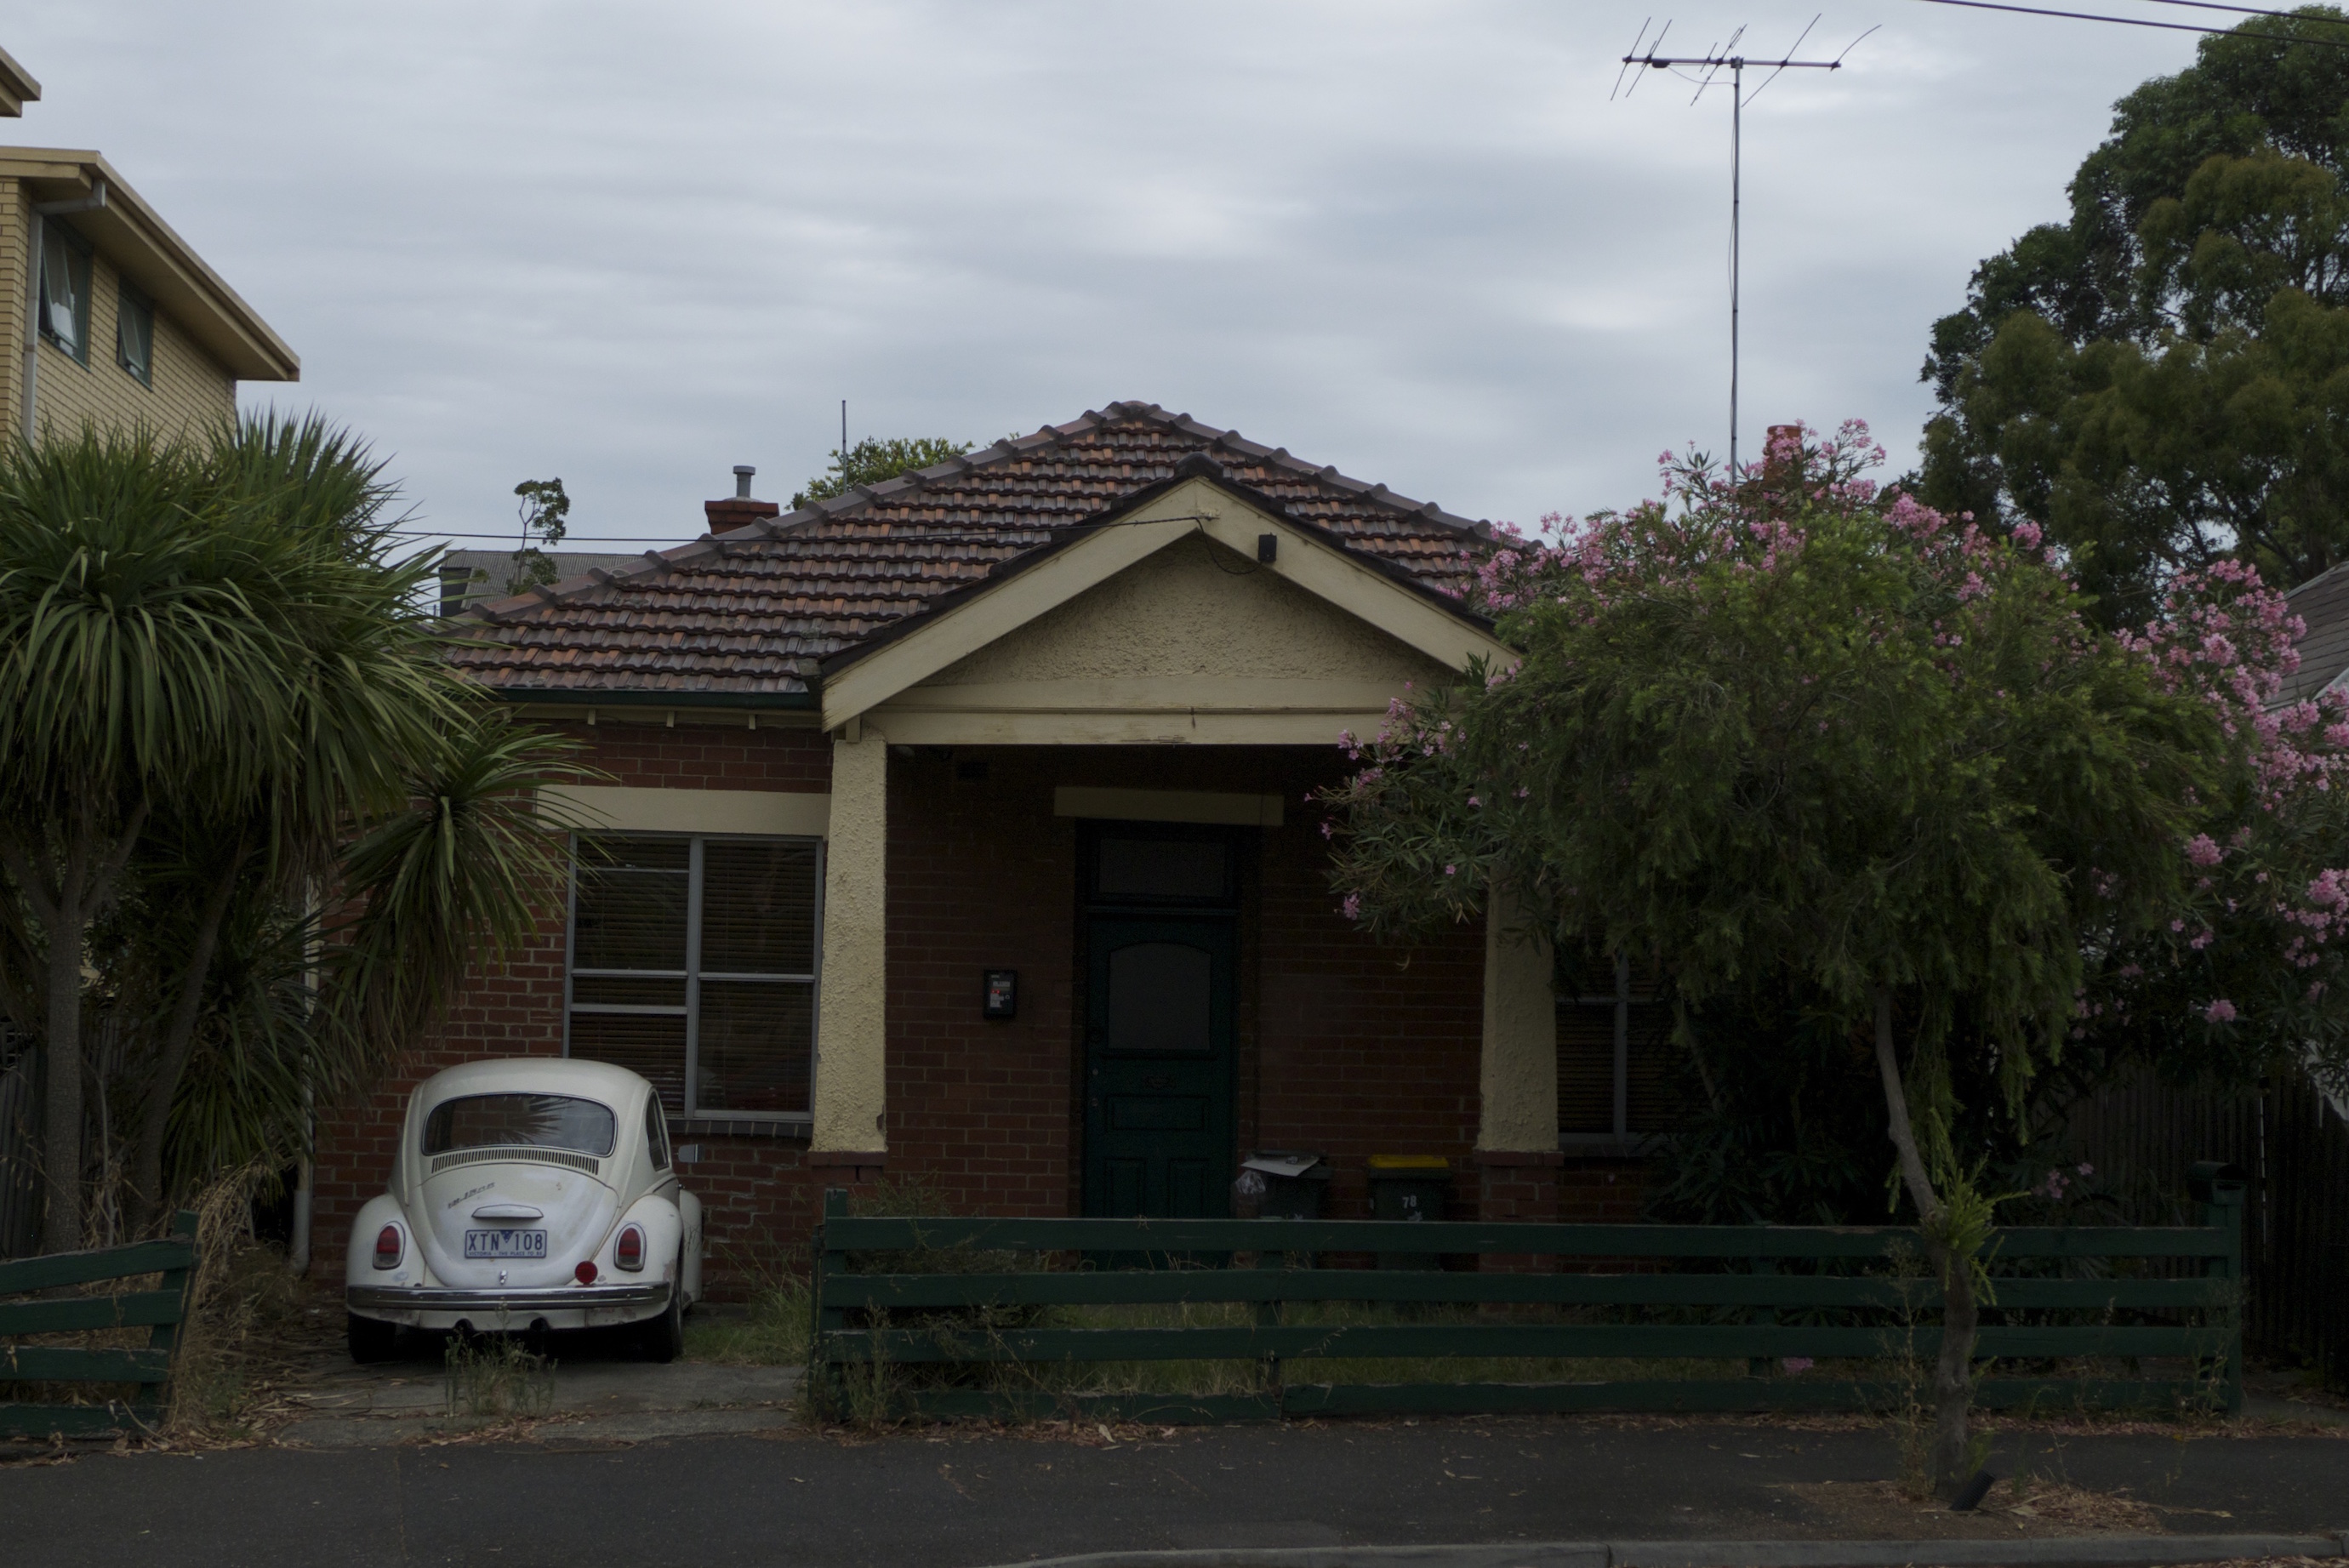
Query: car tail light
[[585, 1273], [628, 1251], [387, 1247]]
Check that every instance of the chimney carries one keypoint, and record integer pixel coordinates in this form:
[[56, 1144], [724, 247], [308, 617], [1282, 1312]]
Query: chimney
[[739, 510]]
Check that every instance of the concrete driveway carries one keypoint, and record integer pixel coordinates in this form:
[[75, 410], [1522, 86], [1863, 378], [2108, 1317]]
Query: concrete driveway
[[593, 1391]]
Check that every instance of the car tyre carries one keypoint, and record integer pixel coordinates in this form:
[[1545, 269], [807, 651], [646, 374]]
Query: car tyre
[[371, 1339], [662, 1340]]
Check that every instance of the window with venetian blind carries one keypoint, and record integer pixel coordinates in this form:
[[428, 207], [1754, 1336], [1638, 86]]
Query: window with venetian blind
[[694, 962], [1616, 1083]]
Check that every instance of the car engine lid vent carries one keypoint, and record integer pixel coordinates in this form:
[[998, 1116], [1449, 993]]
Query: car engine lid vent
[[516, 1153]]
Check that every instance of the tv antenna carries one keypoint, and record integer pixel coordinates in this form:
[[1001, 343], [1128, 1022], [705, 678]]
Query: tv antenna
[[1712, 62]]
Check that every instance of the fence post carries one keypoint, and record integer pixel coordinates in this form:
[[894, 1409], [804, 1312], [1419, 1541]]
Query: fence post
[[822, 1378], [1759, 1365], [165, 1336], [2219, 1188]]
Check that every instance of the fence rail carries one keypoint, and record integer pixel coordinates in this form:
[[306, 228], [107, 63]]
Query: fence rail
[[146, 1368], [929, 1294]]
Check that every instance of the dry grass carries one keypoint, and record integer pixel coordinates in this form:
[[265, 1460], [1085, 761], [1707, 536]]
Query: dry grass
[[2022, 1506], [771, 1332]]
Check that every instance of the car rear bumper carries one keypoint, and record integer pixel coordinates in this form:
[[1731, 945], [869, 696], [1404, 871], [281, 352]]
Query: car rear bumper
[[387, 1299]]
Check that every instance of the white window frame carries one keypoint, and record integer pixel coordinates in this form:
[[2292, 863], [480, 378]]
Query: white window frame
[[84, 308], [692, 974], [131, 303]]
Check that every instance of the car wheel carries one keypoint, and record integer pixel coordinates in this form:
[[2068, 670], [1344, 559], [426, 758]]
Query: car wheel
[[371, 1339], [662, 1338]]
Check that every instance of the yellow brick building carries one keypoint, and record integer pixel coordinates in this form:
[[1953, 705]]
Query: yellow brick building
[[112, 319]]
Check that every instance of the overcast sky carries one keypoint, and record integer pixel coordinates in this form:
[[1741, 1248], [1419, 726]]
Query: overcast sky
[[633, 245]]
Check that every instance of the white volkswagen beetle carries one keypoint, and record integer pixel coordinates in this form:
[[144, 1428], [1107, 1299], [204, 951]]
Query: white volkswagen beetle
[[533, 1193]]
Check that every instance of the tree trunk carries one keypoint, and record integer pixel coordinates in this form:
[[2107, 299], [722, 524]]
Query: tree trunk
[[171, 1060], [1952, 1370], [65, 901]]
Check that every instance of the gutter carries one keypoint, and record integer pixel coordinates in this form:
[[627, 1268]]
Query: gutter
[[34, 262], [581, 698]]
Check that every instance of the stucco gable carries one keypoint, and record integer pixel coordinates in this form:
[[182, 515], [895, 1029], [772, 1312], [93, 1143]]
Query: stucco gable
[[1184, 638], [1194, 612]]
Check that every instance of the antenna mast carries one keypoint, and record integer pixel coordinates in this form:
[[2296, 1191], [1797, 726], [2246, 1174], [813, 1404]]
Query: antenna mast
[[1712, 62]]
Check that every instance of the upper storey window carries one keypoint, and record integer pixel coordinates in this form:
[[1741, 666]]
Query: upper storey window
[[65, 290], [134, 336]]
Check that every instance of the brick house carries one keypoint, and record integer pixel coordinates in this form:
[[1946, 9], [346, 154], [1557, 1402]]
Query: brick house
[[956, 830]]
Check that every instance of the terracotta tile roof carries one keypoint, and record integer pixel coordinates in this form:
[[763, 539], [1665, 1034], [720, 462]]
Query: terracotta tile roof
[[750, 613], [2322, 602]]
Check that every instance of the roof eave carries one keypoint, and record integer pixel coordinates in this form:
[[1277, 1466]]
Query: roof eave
[[17, 87], [580, 696]]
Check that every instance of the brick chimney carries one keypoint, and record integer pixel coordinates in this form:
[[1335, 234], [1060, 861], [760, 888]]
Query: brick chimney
[[739, 510]]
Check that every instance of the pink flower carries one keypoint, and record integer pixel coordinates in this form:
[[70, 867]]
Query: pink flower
[[1794, 1363], [1449, 870], [2202, 850], [2219, 1012]]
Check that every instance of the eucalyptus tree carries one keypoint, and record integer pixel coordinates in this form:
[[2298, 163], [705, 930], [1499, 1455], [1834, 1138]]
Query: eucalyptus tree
[[1789, 737], [223, 713], [2160, 380], [873, 460]]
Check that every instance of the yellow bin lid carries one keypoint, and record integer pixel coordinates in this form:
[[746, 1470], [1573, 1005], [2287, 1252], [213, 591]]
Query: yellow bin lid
[[1409, 1162]]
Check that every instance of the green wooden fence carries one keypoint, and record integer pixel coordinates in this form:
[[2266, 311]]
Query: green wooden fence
[[145, 1367], [922, 1298]]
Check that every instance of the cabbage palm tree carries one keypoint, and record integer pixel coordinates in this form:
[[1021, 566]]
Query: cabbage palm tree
[[223, 716]]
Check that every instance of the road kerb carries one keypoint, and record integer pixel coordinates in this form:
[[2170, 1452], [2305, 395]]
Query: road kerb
[[2042, 1552]]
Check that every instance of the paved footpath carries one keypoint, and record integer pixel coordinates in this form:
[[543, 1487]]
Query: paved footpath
[[960, 1499]]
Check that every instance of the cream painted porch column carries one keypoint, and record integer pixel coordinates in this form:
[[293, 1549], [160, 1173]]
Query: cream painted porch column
[[852, 1084], [1519, 1080]]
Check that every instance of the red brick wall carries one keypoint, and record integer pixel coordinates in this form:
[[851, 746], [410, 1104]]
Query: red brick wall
[[981, 876], [1346, 1046], [752, 1188]]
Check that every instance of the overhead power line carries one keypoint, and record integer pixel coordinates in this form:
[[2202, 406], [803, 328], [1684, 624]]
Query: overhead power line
[[2149, 22], [2239, 10]]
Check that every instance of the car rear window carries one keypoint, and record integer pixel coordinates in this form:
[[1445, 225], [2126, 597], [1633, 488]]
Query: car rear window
[[531, 1120]]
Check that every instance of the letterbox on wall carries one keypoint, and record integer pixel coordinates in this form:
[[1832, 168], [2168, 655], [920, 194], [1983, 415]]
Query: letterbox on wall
[[1001, 996]]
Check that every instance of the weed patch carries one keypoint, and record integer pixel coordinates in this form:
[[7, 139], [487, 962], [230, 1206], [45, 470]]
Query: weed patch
[[496, 1378]]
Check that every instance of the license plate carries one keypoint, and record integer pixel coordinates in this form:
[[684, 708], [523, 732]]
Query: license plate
[[505, 1243]]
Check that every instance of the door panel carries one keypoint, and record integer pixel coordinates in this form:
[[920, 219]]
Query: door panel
[[1160, 999], [1157, 1113]]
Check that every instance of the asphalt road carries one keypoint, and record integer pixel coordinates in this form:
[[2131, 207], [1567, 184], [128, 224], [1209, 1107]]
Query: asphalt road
[[962, 1499]]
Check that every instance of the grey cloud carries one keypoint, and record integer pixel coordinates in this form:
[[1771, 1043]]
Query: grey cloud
[[635, 245]]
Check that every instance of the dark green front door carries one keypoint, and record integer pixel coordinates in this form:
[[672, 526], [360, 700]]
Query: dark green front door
[[1158, 1066]]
